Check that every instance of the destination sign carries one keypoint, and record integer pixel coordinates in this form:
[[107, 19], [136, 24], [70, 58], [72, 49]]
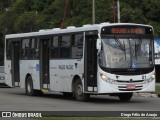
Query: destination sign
[[127, 30], [141, 30]]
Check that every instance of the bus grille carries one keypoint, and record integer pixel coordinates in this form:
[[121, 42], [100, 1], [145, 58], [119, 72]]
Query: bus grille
[[137, 81]]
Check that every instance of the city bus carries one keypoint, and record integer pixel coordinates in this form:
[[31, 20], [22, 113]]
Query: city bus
[[115, 59]]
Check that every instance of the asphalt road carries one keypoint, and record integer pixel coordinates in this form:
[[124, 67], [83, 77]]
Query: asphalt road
[[14, 99]]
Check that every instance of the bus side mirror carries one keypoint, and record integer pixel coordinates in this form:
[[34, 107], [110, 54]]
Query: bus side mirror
[[98, 44]]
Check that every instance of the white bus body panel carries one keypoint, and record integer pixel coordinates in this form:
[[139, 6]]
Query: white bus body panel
[[30, 67], [62, 73], [105, 87]]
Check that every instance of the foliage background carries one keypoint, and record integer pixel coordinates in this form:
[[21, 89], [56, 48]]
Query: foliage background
[[17, 16]]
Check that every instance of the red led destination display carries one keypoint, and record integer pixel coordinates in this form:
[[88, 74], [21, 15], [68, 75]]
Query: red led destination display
[[127, 30]]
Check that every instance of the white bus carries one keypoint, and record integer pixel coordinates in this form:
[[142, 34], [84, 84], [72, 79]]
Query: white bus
[[115, 59]]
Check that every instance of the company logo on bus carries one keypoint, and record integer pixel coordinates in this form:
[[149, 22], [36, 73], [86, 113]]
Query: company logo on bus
[[134, 65], [37, 67]]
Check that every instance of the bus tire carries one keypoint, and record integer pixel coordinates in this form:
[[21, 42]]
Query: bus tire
[[29, 88], [125, 97], [78, 92]]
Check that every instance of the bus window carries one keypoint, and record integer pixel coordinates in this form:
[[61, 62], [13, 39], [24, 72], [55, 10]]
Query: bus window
[[8, 51], [54, 47], [34, 49], [65, 47], [25, 48], [31, 49], [77, 46]]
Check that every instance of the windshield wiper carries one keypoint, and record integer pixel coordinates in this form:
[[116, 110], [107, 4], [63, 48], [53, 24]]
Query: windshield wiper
[[124, 49], [121, 46], [137, 47], [150, 52]]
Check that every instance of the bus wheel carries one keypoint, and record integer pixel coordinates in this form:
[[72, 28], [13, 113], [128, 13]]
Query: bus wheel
[[124, 97], [29, 88], [78, 91]]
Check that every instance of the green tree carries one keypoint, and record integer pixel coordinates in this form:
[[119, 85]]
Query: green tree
[[4, 4], [142, 11], [28, 22]]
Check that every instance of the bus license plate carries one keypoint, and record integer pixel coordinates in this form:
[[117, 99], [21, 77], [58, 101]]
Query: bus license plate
[[130, 87]]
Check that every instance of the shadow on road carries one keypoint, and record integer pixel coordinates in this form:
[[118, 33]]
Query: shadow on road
[[113, 100], [3, 85], [100, 99]]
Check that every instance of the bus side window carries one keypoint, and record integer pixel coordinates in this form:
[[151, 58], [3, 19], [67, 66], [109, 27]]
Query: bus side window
[[8, 50], [36, 49], [65, 50], [55, 47], [77, 46], [31, 49], [25, 48]]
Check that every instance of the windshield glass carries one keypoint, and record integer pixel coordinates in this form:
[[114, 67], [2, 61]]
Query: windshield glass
[[126, 53]]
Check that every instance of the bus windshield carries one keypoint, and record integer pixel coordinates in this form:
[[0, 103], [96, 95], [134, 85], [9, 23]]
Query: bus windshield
[[126, 52]]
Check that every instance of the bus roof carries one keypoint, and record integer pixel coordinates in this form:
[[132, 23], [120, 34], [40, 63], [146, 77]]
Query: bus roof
[[69, 29]]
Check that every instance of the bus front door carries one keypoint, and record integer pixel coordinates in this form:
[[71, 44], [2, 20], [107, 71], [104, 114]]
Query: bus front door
[[90, 63], [15, 63], [44, 63]]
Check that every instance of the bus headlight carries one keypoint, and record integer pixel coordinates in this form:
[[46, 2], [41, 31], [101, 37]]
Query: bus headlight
[[111, 81], [150, 79], [1, 78], [153, 77], [105, 78]]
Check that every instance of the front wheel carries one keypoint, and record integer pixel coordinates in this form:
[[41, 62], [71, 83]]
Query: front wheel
[[125, 97], [29, 88], [78, 91]]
